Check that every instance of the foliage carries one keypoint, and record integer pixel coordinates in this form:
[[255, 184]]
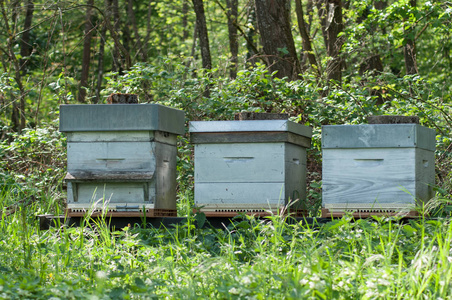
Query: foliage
[[33, 165], [251, 258]]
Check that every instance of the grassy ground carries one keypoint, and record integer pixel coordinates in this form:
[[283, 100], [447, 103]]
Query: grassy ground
[[252, 259]]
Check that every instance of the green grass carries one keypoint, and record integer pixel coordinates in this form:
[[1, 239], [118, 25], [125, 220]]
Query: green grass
[[252, 259]]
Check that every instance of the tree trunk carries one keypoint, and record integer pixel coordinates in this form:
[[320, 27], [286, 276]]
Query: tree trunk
[[306, 39], [251, 34], [126, 36], [202, 34], [310, 13], [334, 26], [25, 47], [410, 49], [322, 11], [232, 6], [100, 63], [86, 53], [273, 19]]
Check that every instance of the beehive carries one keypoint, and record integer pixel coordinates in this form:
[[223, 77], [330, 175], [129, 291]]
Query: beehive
[[121, 158], [376, 169], [249, 166]]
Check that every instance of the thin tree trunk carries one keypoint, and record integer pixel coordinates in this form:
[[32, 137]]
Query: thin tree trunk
[[248, 36], [306, 39], [251, 52], [232, 12], [410, 49], [25, 47], [310, 13], [202, 34], [334, 26], [86, 53], [322, 11], [117, 28], [273, 18], [100, 63], [126, 36]]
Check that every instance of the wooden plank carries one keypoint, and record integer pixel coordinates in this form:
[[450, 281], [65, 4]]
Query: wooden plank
[[262, 195], [425, 174], [368, 176], [251, 162], [165, 176], [110, 136], [122, 136], [249, 137], [132, 193], [295, 173], [111, 156], [129, 176]]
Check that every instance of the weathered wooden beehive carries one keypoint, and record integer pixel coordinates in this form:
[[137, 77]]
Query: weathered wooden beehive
[[249, 166], [377, 168], [121, 158]]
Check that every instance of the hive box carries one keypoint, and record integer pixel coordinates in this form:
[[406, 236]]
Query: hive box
[[121, 158], [249, 166], [376, 169]]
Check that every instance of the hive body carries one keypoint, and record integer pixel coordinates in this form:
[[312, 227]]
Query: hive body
[[377, 168], [249, 166], [121, 158]]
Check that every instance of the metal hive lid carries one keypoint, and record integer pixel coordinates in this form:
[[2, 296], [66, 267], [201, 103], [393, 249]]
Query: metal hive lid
[[121, 117], [250, 126]]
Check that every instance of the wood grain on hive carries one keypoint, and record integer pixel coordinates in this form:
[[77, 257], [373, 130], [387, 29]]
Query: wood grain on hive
[[377, 167]]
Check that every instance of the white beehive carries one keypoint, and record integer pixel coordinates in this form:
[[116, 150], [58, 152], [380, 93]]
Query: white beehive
[[121, 158], [249, 166], [376, 169]]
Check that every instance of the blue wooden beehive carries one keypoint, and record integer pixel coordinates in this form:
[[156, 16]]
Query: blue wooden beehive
[[250, 166], [121, 158], [377, 168]]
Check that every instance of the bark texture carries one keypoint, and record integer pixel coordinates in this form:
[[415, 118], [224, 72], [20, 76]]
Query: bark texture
[[232, 7], [86, 53], [25, 46], [306, 39], [410, 49], [273, 19], [334, 26], [202, 34]]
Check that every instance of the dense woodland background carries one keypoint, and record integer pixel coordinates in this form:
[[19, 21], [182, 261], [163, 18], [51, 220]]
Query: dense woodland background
[[321, 61]]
